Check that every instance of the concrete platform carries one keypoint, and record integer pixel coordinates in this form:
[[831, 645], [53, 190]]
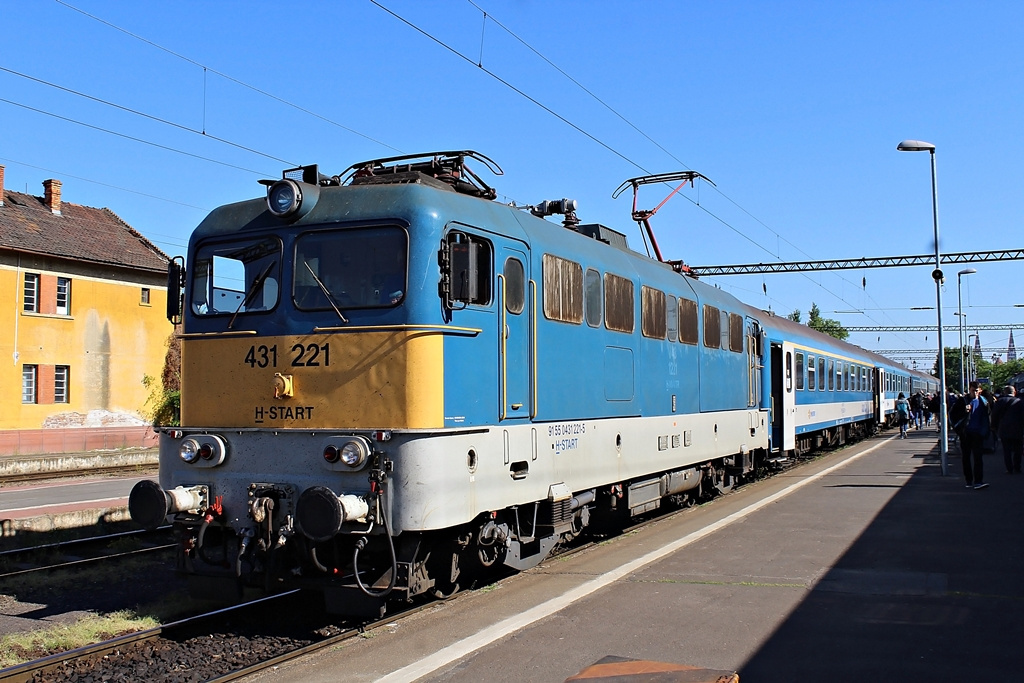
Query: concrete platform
[[865, 565], [69, 503]]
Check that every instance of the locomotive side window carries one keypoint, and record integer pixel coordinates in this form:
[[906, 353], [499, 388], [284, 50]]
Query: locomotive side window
[[736, 333], [466, 269], [799, 371], [239, 277], [515, 286], [592, 285], [671, 315], [563, 290], [712, 327], [653, 322], [810, 374], [353, 268], [726, 330], [688, 331], [618, 303]]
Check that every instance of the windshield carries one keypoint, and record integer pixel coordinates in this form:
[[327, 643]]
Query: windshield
[[354, 268], [239, 277]]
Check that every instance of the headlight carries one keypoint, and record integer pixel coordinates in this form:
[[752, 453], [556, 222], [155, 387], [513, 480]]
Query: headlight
[[284, 197], [355, 452], [189, 450]]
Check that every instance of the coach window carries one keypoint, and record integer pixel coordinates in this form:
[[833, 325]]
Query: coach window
[[736, 333], [712, 327], [810, 373], [515, 286], [688, 328], [618, 303], [839, 375], [563, 290], [831, 375], [846, 377], [799, 371], [592, 297], [671, 316], [789, 371], [653, 321], [822, 380]]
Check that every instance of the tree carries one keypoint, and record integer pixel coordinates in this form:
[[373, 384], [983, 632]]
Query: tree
[[825, 325], [794, 316]]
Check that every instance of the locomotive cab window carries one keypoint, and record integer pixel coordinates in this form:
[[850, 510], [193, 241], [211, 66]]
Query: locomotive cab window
[[466, 269], [239, 277], [515, 286], [347, 269]]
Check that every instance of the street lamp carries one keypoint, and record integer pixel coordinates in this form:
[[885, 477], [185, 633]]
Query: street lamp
[[960, 314], [919, 146]]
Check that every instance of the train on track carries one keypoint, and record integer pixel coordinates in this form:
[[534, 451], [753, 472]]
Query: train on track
[[392, 382]]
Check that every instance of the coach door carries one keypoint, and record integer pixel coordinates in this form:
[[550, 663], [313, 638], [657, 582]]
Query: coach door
[[783, 409], [516, 299]]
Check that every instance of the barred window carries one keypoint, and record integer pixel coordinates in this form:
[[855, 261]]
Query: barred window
[[63, 296], [799, 370], [592, 285], [689, 332], [31, 299], [61, 381], [736, 333], [653, 322], [618, 303], [563, 290], [712, 327], [29, 383]]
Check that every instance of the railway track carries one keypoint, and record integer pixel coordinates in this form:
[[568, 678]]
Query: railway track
[[81, 551], [53, 475]]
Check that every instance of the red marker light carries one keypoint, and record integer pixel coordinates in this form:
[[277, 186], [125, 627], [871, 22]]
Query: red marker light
[[205, 451], [331, 454]]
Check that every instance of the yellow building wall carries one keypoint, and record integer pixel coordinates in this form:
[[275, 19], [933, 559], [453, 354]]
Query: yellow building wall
[[110, 342]]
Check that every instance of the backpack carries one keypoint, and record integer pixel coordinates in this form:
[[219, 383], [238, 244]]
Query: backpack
[[984, 424]]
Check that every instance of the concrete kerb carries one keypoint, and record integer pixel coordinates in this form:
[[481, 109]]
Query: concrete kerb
[[65, 463]]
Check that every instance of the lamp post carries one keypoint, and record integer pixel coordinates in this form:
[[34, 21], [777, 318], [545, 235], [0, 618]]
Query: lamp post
[[960, 314], [919, 146]]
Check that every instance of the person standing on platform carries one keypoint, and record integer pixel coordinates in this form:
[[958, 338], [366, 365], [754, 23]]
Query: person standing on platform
[[917, 410], [902, 414], [1008, 424], [973, 435]]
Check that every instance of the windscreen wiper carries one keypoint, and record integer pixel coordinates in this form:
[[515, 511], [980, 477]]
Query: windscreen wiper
[[326, 292], [257, 284]]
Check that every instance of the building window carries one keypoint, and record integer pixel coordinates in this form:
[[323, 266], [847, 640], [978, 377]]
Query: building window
[[563, 290], [29, 383], [63, 296], [145, 296], [31, 299], [61, 381], [618, 303]]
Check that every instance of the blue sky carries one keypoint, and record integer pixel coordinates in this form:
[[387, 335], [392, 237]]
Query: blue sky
[[793, 109]]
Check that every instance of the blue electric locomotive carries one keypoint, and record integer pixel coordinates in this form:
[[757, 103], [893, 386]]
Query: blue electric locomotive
[[391, 382]]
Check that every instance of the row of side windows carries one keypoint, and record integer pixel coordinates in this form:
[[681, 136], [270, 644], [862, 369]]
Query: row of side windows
[[572, 295], [831, 374]]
